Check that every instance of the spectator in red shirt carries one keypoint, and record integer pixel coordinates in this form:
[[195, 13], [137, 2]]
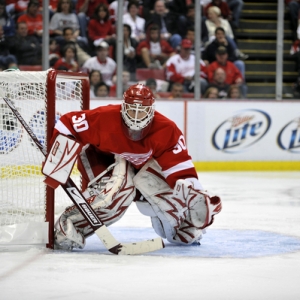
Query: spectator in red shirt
[[85, 10], [233, 75], [100, 27], [33, 19], [154, 51], [88, 7]]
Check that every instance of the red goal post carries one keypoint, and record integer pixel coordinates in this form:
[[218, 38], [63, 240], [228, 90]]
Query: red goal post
[[27, 206]]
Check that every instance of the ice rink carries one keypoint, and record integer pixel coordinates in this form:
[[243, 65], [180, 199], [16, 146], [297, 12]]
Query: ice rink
[[252, 251]]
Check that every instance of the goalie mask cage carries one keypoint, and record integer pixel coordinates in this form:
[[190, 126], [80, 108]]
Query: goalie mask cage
[[28, 207]]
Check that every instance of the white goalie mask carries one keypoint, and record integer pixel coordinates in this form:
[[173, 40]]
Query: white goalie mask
[[137, 111]]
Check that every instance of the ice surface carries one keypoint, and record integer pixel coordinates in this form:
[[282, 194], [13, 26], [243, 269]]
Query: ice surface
[[252, 251]]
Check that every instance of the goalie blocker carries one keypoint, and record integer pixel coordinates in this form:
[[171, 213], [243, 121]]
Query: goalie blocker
[[60, 160]]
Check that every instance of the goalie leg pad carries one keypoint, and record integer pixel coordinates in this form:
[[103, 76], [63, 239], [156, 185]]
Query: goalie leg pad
[[119, 202], [186, 234], [146, 209], [170, 211], [180, 214], [159, 228]]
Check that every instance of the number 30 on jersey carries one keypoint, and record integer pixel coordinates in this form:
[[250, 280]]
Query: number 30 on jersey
[[80, 123], [180, 145]]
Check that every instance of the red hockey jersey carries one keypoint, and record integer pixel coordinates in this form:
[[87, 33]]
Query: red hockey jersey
[[102, 128]]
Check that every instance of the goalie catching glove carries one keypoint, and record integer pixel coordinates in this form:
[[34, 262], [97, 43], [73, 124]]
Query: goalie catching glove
[[201, 206]]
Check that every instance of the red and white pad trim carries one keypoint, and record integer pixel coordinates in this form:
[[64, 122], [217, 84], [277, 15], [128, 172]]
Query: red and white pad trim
[[214, 206]]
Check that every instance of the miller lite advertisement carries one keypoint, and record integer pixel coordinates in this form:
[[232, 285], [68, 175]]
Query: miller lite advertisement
[[252, 131], [241, 130]]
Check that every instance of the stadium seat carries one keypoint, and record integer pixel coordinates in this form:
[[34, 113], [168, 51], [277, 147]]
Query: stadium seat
[[144, 74], [188, 95]]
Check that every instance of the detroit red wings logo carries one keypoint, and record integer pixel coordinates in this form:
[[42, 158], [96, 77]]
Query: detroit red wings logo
[[136, 159]]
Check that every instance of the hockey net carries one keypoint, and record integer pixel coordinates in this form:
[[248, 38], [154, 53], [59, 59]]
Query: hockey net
[[28, 207]]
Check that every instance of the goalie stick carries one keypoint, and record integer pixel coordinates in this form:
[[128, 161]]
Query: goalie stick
[[87, 211]]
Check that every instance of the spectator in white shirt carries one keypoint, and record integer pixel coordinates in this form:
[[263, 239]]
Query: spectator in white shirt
[[181, 68], [136, 23], [102, 62]]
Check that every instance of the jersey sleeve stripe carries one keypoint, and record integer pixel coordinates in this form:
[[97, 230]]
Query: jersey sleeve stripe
[[61, 127], [182, 166]]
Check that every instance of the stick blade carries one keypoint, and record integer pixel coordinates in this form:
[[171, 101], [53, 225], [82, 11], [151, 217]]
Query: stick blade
[[142, 247]]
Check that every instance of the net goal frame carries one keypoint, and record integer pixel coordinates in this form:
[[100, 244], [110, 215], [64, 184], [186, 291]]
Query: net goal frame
[[28, 207]]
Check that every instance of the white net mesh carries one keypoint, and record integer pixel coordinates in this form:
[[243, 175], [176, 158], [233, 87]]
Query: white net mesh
[[22, 191]]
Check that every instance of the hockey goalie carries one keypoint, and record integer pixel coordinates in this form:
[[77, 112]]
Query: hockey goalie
[[129, 153]]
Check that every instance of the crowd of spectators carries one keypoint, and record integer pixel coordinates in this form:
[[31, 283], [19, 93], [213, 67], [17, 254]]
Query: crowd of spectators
[[158, 35]]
